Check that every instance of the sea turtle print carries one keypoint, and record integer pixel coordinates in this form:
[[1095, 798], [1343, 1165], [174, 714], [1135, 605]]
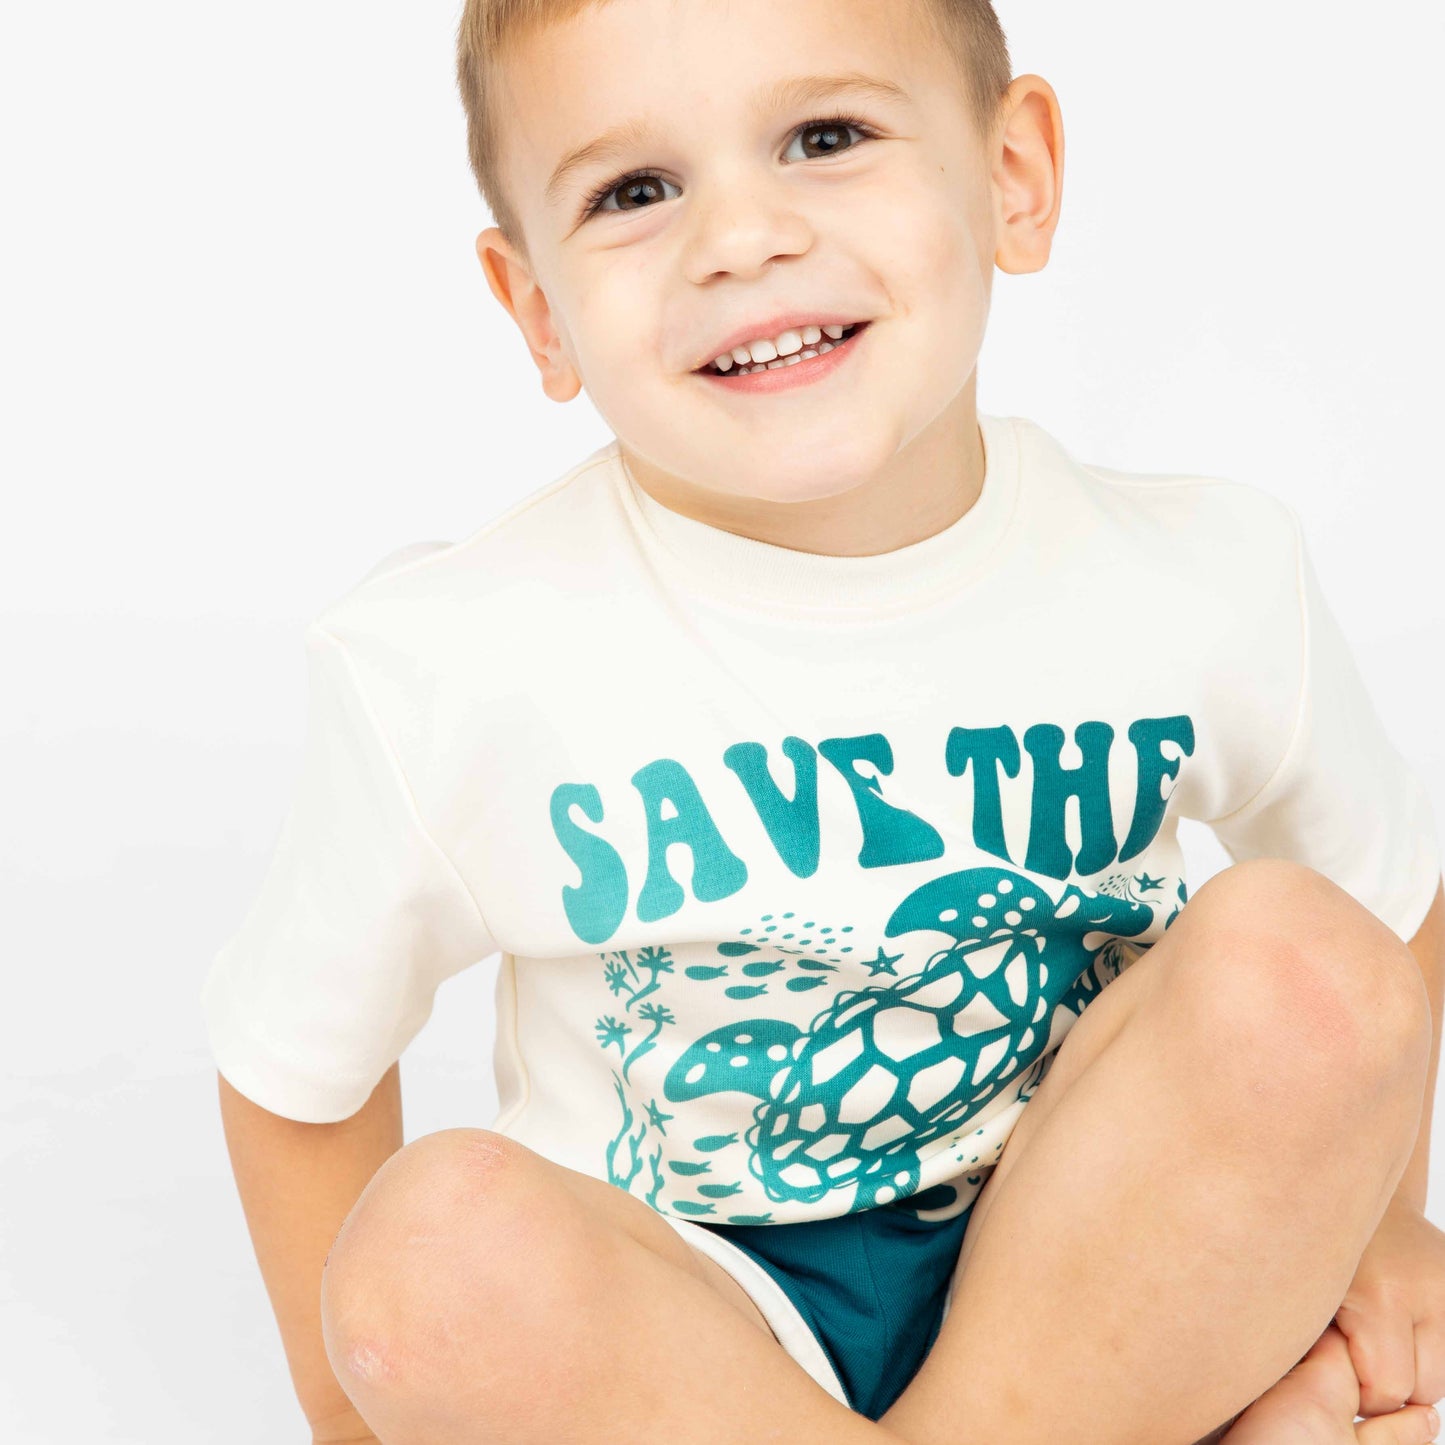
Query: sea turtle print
[[852, 1101]]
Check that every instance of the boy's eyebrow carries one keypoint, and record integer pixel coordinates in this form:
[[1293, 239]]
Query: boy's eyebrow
[[797, 90]]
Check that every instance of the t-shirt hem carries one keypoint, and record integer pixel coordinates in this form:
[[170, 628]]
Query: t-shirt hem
[[255, 1068], [1421, 895]]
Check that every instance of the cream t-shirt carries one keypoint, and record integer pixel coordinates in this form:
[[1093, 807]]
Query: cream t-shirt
[[800, 866]]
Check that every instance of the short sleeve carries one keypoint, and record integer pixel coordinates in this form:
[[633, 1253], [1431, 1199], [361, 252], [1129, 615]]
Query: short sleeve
[[359, 918], [1342, 799]]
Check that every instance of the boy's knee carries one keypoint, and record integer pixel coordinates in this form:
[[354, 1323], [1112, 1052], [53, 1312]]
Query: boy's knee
[[1309, 972], [426, 1185], [457, 1251]]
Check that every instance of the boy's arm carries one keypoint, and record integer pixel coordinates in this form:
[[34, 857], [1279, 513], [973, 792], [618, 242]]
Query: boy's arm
[[298, 1183], [1428, 946]]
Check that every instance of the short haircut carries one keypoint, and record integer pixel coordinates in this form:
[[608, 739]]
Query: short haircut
[[968, 28]]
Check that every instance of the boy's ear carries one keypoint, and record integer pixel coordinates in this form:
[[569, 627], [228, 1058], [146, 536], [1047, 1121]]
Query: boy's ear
[[1028, 174], [512, 283]]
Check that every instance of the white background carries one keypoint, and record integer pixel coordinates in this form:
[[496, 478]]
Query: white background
[[248, 351]]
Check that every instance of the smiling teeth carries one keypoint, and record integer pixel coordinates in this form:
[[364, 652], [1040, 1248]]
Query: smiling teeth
[[791, 346]]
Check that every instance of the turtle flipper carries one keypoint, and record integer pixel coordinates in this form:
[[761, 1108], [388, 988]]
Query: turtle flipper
[[745, 1056]]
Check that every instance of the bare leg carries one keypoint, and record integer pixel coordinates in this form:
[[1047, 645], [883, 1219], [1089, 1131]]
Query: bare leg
[[1183, 1203], [1196, 1179], [478, 1292]]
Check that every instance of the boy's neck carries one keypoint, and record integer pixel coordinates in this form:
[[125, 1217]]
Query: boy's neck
[[927, 486]]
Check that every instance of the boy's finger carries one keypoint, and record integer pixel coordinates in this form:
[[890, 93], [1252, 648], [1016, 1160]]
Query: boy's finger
[[1414, 1425], [1382, 1348]]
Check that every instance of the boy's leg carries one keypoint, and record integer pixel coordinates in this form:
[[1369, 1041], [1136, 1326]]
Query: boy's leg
[[1181, 1207], [478, 1292], [476, 1303]]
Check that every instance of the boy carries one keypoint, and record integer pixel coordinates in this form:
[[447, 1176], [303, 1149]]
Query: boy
[[837, 887]]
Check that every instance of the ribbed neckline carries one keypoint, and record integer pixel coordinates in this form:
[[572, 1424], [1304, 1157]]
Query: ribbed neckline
[[746, 572]]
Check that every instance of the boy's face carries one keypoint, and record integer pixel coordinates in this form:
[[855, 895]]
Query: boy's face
[[742, 205]]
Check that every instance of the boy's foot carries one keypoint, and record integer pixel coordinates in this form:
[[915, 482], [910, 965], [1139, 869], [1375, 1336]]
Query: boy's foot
[[1316, 1404]]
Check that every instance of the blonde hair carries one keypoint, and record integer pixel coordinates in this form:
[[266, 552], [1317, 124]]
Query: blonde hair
[[968, 28]]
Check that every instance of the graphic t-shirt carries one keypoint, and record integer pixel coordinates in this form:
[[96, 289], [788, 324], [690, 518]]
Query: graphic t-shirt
[[800, 866]]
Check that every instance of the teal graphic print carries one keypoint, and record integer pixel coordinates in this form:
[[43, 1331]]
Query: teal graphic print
[[884, 1071], [677, 814], [846, 1111]]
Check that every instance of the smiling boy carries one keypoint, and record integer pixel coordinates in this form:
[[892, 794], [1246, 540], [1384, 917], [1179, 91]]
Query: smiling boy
[[867, 1071]]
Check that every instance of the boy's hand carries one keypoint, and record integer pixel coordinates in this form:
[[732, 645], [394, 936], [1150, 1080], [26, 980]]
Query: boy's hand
[[1393, 1316]]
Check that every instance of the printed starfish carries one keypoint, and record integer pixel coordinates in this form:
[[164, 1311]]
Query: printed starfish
[[883, 963]]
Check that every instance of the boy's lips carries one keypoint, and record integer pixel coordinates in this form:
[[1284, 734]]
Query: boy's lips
[[791, 375], [775, 326]]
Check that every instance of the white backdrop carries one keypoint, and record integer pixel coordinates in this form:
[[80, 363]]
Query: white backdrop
[[247, 350]]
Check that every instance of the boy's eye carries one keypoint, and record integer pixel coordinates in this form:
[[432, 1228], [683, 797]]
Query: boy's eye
[[643, 187]]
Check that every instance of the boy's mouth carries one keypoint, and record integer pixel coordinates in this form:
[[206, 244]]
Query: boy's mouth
[[822, 347]]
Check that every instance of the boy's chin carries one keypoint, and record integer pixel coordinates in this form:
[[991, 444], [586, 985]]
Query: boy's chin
[[809, 482]]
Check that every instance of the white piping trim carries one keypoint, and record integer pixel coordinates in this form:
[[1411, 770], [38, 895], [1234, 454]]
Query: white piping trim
[[773, 1304]]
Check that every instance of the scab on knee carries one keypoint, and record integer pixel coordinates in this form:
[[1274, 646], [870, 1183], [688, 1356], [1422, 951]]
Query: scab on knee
[[369, 1360]]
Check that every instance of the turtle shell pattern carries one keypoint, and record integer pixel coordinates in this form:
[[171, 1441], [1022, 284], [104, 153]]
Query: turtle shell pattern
[[884, 1071]]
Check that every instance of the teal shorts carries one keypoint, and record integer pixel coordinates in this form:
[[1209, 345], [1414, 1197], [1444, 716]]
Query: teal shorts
[[857, 1300]]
